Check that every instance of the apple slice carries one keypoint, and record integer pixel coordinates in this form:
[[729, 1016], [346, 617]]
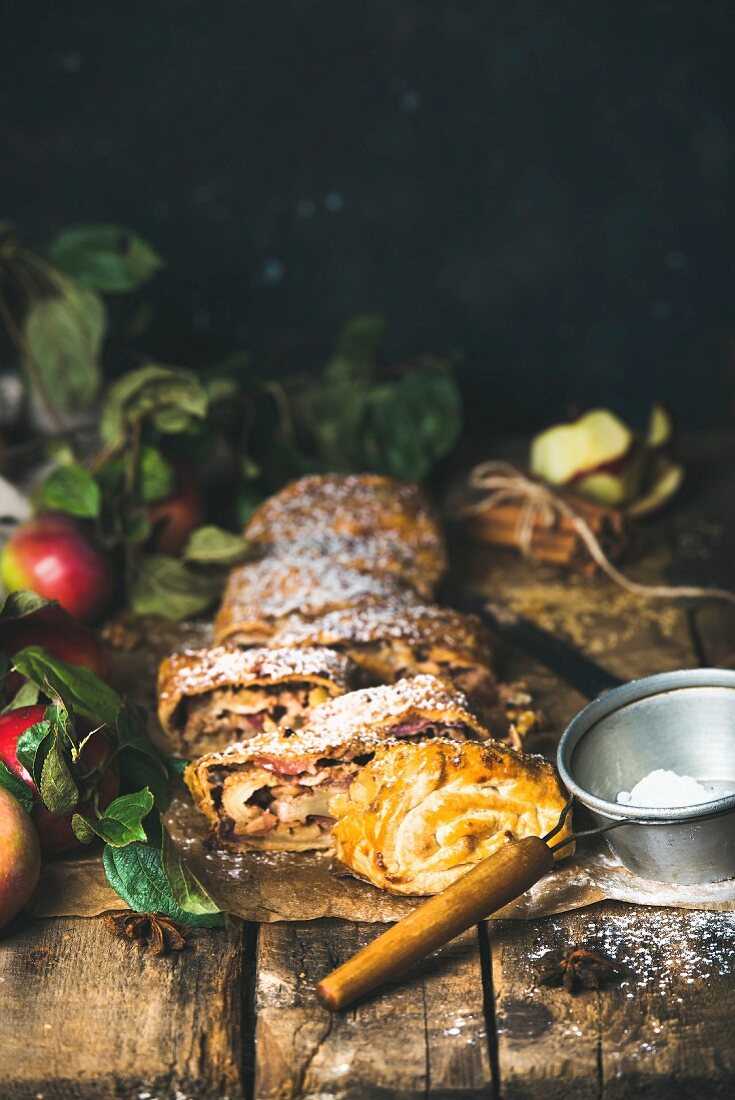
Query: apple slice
[[614, 483], [660, 428], [666, 481], [570, 451]]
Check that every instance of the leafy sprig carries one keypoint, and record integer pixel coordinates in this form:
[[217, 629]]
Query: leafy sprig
[[139, 860]]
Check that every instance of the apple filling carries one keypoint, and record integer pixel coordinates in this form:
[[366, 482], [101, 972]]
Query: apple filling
[[275, 801], [278, 803], [239, 713]]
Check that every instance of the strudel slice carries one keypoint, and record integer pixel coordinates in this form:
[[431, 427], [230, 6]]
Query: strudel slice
[[259, 596], [356, 507], [208, 698], [419, 816], [389, 641], [273, 792]]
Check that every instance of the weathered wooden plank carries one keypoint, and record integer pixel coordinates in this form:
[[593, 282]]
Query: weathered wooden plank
[[665, 1031], [668, 1030], [425, 1036], [547, 1041], [86, 1016]]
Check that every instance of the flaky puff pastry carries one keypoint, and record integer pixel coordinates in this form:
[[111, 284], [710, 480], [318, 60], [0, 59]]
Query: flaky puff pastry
[[355, 507], [419, 816], [416, 708], [260, 596]]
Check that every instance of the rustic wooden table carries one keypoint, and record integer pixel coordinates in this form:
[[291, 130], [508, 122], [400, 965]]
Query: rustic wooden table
[[88, 1016]]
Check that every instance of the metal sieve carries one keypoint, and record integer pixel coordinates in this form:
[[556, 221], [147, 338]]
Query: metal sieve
[[683, 721]]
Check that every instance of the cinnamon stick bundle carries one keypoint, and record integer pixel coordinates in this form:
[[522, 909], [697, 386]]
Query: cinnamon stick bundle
[[555, 541]]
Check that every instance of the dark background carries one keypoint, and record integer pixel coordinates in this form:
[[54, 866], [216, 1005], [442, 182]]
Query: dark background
[[543, 187]]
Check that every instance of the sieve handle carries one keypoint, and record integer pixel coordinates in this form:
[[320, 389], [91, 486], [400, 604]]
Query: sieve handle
[[489, 886]]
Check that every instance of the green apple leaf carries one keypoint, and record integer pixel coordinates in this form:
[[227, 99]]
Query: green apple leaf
[[33, 746], [139, 761], [167, 587], [82, 691], [176, 767], [17, 605], [73, 490], [27, 695], [120, 824], [412, 423], [64, 333], [214, 546], [136, 873], [173, 400], [187, 890], [142, 769], [57, 788], [157, 477], [107, 258]]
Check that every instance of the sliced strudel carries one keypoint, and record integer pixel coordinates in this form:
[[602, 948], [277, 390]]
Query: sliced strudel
[[259, 596], [389, 641], [273, 792], [208, 698], [419, 816], [355, 507]]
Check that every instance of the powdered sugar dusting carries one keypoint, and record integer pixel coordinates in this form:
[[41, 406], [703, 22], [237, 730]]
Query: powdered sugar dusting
[[351, 504], [260, 592], [290, 745], [365, 507], [381, 708], [194, 671], [416, 624], [661, 952]]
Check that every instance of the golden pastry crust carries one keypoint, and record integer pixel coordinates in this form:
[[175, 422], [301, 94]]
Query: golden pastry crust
[[407, 709], [319, 759], [208, 697], [259, 596], [355, 507], [419, 816], [390, 640]]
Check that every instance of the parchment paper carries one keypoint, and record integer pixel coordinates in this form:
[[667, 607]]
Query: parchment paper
[[288, 886]]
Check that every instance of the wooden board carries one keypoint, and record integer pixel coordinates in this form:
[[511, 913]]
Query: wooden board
[[87, 1016], [666, 1031], [424, 1036]]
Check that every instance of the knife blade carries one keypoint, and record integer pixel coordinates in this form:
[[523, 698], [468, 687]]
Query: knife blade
[[560, 657]]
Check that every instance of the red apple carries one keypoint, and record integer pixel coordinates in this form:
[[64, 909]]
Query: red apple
[[51, 555], [20, 857], [62, 636], [54, 830], [175, 517]]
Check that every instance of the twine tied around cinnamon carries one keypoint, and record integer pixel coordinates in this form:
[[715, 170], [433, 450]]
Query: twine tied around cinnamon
[[503, 483]]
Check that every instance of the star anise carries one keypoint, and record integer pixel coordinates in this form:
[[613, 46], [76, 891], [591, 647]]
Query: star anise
[[157, 931], [578, 969]]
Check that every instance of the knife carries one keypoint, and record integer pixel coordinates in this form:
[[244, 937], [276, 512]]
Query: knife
[[560, 657]]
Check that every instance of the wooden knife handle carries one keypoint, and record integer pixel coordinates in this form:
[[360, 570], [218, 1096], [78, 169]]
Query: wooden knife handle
[[486, 888]]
